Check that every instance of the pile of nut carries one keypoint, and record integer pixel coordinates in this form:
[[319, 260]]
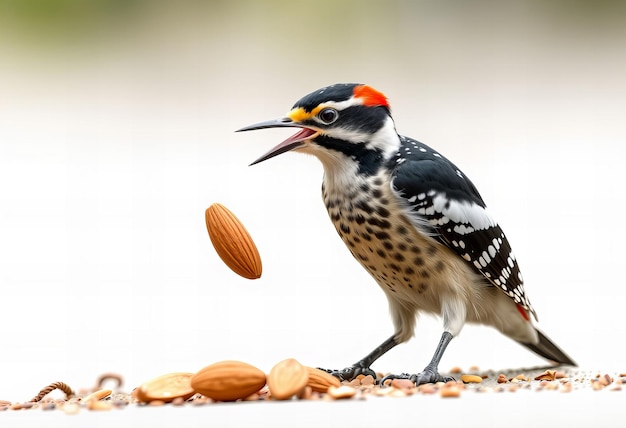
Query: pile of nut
[[230, 381]]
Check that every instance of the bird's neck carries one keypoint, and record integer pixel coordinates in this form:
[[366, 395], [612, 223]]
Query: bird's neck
[[348, 164]]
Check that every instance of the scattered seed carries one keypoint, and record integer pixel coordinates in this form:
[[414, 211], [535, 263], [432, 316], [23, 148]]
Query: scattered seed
[[119, 403], [606, 380], [339, 392], [16, 406], [201, 401], [427, 388], [99, 405], [71, 408], [450, 392], [305, 393], [97, 395], [368, 380], [466, 378], [402, 383], [383, 392], [252, 397], [398, 393], [547, 375], [552, 386], [178, 401], [354, 383]]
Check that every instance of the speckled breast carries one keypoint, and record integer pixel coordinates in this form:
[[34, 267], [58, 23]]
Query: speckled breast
[[373, 225]]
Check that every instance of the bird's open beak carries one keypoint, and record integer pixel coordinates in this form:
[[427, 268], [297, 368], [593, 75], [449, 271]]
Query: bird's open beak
[[293, 142]]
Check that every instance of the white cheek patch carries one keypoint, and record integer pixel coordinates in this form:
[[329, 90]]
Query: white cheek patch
[[385, 139]]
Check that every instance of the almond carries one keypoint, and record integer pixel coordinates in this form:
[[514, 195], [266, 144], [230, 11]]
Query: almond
[[320, 381], [228, 380], [165, 388], [232, 242], [287, 379]]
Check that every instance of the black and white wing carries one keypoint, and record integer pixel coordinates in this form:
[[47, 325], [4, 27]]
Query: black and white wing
[[445, 204]]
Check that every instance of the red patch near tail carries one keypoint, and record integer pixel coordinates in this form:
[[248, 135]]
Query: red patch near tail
[[522, 311], [370, 96]]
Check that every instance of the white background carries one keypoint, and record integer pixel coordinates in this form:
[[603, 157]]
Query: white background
[[114, 144]]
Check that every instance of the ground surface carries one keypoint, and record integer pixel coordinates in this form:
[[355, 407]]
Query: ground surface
[[577, 398]]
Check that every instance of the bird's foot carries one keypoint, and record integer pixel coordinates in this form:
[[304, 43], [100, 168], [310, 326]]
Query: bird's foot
[[350, 373], [427, 376]]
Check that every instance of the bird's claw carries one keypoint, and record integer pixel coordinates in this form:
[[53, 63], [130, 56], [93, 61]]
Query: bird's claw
[[350, 373], [427, 376]]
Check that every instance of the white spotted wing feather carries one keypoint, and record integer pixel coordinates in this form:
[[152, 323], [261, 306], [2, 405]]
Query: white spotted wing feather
[[446, 205]]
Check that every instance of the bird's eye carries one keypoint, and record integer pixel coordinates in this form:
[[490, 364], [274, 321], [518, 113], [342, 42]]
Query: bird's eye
[[328, 115]]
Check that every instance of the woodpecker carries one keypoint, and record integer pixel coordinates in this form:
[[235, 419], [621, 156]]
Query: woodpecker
[[414, 221]]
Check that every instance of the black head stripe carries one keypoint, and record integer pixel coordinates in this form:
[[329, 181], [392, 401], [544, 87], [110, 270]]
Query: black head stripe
[[338, 92], [362, 118]]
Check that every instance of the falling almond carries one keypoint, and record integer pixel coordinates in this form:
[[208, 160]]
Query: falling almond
[[232, 242]]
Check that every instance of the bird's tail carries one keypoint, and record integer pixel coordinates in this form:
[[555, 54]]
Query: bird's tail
[[548, 349]]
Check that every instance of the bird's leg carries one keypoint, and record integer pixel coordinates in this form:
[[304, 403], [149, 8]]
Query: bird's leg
[[363, 366], [430, 374]]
